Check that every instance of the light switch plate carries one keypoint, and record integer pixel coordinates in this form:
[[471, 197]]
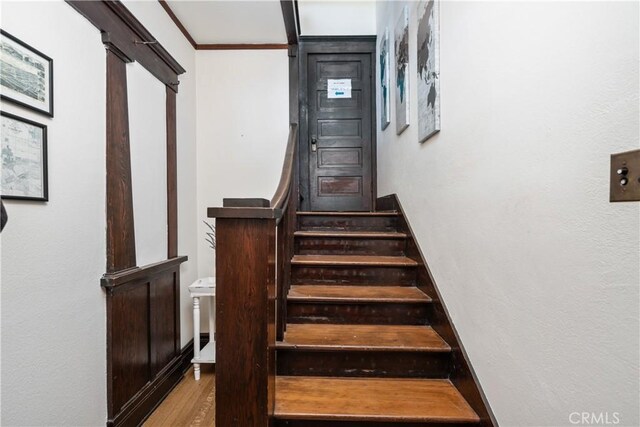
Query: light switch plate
[[625, 177]]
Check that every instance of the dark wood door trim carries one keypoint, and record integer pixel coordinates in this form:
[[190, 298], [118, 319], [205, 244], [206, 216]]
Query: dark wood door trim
[[327, 45]]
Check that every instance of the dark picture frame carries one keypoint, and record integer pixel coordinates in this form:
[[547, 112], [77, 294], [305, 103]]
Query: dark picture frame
[[18, 169], [26, 75]]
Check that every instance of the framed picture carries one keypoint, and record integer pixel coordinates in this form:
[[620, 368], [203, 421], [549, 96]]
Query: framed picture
[[402, 71], [428, 69], [26, 75], [23, 151], [385, 118]]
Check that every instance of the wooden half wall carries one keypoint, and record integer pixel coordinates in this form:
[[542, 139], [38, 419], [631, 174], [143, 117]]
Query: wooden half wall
[[144, 360]]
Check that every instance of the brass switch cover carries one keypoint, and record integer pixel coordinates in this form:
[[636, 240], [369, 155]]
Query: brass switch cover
[[625, 177]]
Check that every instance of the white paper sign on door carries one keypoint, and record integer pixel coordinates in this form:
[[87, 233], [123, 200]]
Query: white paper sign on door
[[338, 88]]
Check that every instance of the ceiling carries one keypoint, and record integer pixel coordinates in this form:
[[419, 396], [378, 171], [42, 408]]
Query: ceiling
[[239, 21], [261, 22]]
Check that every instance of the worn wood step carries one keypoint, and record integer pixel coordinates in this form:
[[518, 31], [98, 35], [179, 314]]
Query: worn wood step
[[348, 221], [363, 338], [351, 234], [348, 213], [363, 351], [390, 400], [353, 261], [356, 294]]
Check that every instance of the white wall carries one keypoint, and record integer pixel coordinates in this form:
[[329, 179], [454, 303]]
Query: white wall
[[337, 17], [53, 323], [243, 123], [147, 105], [53, 320], [509, 201]]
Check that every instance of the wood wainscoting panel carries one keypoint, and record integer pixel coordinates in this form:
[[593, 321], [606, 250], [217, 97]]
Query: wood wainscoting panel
[[128, 312]]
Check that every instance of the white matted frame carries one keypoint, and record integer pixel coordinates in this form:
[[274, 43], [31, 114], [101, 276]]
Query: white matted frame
[[26, 75]]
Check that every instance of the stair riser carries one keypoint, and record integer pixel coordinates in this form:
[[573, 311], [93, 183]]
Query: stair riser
[[310, 423], [353, 275], [371, 314], [349, 246], [364, 363], [348, 223]]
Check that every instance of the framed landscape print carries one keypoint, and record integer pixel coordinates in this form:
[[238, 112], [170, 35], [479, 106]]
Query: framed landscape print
[[428, 69], [402, 71], [23, 151], [385, 102], [26, 75]]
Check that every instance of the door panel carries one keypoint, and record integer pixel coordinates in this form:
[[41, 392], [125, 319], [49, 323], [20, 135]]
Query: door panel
[[340, 163]]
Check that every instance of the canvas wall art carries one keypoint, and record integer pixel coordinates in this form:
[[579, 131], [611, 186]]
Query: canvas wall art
[[23, 152], [428, 69], [385, 101], [402, 71]]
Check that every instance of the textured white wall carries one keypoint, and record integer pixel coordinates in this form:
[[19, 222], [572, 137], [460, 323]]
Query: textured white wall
[[243, 123], [53, 337], [510, 205], [147, 105], [53, 254]]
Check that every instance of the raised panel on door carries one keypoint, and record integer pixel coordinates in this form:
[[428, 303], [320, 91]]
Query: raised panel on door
[[340, 134]]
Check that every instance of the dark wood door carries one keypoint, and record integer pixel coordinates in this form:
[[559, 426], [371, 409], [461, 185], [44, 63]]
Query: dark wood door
[[340, 134]]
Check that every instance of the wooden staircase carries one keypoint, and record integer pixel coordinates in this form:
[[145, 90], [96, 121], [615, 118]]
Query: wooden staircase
[[358, 348]]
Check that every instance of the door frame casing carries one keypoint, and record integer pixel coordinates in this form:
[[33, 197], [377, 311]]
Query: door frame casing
[[331, 45]]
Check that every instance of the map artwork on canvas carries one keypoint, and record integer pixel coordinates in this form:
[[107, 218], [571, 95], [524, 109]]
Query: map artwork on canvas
[[428, 69]]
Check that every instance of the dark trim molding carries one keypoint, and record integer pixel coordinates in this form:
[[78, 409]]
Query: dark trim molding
[[140, 273], [462, 373], [125, 35], [242, 46], [289, 11], [176, 21], [230, 46]]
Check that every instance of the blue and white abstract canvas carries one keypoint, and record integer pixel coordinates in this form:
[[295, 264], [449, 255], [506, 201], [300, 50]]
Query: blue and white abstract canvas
[[402, 71], [428, 69]]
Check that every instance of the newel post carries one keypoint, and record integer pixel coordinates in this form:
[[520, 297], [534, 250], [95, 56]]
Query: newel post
[[245, 315]]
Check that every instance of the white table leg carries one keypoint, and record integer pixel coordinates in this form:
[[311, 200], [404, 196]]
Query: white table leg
[[196, 337]]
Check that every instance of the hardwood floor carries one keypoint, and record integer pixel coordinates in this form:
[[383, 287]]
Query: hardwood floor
[[191, 403]]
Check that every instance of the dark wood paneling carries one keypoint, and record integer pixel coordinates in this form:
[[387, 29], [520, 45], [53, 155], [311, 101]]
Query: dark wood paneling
[[246, 364], [163, 321], [172, 175], [122, 32], [143, 344], [121, 245], [462, 374], [128, 313]]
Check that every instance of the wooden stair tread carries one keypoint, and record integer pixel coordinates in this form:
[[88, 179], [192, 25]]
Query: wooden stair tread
[[363, 294], [352, 234], [371, 399], [335, 213], [363, 337], [354, 260]]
